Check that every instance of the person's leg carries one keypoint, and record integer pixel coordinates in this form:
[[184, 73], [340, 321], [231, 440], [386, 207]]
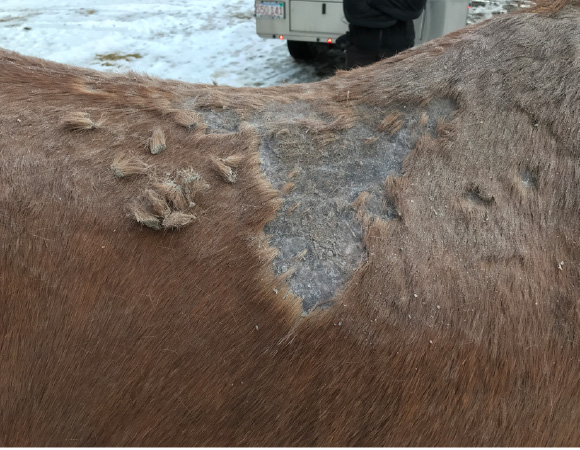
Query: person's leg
[[355, 57], [386, 53], [363, 46], [397, 38]]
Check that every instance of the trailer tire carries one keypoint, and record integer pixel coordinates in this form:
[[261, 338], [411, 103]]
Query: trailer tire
[[302, 50]]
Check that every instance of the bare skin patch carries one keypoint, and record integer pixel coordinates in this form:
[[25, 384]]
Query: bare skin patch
[[316, 232], [215, 120]]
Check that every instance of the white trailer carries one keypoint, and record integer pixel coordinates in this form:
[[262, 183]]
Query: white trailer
[[308, 24]]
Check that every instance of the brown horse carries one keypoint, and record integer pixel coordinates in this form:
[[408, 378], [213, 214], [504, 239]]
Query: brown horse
[[388, 257]]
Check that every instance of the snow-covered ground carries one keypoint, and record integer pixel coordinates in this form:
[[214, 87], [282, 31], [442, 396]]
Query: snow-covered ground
[[198, 41]]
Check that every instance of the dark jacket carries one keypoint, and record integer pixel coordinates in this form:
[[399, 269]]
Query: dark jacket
[[399, 9], [382, 25], [381, 13]]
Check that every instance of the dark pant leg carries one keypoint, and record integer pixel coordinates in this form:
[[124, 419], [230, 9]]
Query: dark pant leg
[[355, 57], [369, 45]]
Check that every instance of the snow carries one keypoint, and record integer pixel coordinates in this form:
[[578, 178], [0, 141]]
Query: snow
[[198, 41], [486, 9]]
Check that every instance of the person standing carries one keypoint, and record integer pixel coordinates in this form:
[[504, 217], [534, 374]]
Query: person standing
[[379, 28]]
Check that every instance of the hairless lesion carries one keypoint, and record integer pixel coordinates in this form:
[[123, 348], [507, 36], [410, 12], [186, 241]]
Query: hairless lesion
[[318, 219]]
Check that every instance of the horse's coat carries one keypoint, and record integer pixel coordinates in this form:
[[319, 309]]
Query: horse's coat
[[430, 201]]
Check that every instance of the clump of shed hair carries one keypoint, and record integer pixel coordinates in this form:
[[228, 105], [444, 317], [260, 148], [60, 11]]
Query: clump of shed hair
[[174, 194], [157, 141], [225, 172], [124, 165], [234, 161], [191, 182], [392, 123], [176, 220], [79, 121], [169, 203], [144, 217], [158, 203], [188, 119]]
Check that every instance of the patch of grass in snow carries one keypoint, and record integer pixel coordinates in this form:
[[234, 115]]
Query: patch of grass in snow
[[15, 18], [106, 58], [244, 16], [9, 19], [485, 9]]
